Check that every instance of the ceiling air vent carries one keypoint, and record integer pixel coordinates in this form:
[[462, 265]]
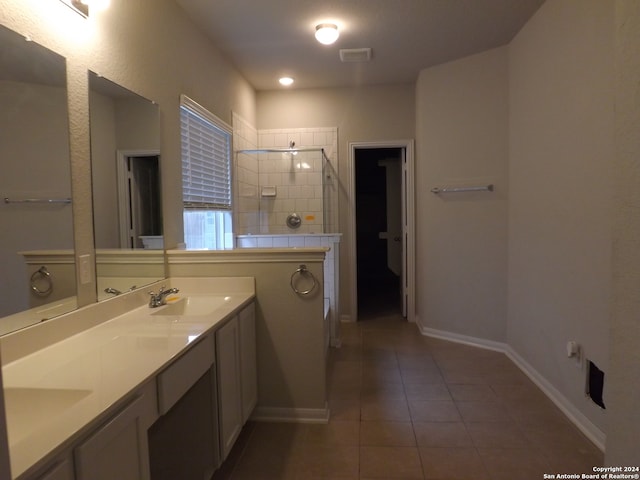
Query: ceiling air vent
[[355, 54]]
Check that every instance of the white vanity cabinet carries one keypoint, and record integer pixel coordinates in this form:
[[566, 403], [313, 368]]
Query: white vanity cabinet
[[248, 360], [115, 448], [229, 385], [61, 470], [179, 420], [119, 448], [237, 378]]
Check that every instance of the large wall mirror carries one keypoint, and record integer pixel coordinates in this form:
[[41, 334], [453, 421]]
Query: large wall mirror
[[35, 185], [125, 165]]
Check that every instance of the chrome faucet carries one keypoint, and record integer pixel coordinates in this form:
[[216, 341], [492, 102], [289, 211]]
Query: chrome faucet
[[159, 299], [115, 291]]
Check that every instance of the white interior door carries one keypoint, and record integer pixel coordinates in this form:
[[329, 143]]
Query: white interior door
[[393, 235], [404, 277]]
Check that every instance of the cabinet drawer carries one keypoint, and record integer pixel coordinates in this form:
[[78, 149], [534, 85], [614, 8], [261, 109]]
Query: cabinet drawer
[[177, 379]]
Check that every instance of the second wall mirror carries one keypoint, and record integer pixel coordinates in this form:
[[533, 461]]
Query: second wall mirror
[[125, 165]]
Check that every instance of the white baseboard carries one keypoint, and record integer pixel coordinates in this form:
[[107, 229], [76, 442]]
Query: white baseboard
[[291, 415], [464, 339], [591, 431]]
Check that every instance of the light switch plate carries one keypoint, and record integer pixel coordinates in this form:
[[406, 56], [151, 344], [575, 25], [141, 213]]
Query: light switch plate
[[85, 269]]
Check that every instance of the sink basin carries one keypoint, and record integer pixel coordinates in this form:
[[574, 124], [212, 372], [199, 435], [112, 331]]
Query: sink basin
[[27, 409], [197, 305]]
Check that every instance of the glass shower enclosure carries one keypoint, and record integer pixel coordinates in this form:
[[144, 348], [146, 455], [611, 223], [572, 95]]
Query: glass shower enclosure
[[285, 191]]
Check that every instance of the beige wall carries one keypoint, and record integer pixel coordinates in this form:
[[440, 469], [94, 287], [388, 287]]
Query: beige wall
[[151, 48], [461, 238], [561, 145], [105, 182], [373, 113], [530, 265], [623, 396]]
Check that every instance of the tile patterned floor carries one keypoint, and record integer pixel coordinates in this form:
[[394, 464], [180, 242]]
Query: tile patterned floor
[[404, 406]]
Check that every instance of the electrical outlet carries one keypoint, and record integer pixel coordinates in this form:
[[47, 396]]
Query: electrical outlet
[[574, 350]]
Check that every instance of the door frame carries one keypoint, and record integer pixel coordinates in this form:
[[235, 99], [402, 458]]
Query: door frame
[[408, 202], [124, 214]]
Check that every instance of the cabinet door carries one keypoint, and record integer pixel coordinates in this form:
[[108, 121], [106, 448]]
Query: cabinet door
[[229, 399], [248, 366], [119, 449]]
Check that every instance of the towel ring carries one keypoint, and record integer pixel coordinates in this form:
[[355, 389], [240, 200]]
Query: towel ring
[[302, 271], [41, 274]]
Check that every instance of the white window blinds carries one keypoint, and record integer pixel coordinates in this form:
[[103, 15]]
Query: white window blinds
[[206, 158]]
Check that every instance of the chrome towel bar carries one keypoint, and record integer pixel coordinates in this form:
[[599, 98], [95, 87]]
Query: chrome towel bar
[[38, 200], [480, 188]]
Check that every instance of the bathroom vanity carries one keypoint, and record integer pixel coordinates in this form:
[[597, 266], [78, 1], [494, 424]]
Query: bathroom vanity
[[110, 401]]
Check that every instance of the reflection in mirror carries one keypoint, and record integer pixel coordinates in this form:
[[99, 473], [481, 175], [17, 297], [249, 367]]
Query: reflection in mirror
[[125, 156], [35, 185]]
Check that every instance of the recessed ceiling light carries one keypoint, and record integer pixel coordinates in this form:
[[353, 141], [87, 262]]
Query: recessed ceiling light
[[286, 81], [327, 33]]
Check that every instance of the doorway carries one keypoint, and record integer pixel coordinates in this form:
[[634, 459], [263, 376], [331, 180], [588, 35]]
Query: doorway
[[139, 200], [378, 231], [382, 246]]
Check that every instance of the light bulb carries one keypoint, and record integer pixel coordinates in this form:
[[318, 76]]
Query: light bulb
[[327, 33]]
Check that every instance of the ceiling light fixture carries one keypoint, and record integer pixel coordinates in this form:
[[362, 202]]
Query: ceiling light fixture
[[286, 81], [327, 33]]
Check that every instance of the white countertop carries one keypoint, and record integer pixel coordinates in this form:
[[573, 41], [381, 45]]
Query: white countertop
[[86, 374], [35, 315]]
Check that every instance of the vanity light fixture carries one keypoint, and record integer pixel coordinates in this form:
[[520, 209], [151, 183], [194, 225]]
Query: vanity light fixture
[[83, 6], [327, 33], [97, 4], [285, 81], [80, 7]]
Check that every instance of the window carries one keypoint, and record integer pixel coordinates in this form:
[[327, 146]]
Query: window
[[206, 178]]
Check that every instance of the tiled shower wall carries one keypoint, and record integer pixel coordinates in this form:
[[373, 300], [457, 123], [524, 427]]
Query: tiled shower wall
[[301, 183]]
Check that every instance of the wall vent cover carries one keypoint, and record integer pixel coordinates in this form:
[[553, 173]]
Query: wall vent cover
[[349, 55]]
